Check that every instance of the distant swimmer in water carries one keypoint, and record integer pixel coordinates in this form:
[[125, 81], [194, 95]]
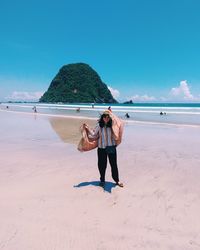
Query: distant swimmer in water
[[78, 110], [161, 113], [127, 115]]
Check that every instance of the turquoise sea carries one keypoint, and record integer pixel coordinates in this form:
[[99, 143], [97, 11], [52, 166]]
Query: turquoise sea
[[173, 113]]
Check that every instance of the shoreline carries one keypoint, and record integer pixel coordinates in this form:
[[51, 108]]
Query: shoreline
[[95, 119]]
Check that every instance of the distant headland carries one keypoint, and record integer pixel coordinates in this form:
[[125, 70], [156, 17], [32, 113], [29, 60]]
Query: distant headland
[[77, 83]]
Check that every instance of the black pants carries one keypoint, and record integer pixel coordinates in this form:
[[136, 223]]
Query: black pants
[[102, 164]]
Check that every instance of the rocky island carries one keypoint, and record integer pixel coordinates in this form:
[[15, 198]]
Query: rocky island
[[77, 83]]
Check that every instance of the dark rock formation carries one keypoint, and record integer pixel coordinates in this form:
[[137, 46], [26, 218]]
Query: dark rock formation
[[77, 83], [128, 102]]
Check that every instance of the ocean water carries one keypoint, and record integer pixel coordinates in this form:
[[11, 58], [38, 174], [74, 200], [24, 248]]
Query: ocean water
[[173, 113]]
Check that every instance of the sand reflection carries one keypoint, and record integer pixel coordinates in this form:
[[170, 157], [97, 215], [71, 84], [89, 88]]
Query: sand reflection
[[68, 129]]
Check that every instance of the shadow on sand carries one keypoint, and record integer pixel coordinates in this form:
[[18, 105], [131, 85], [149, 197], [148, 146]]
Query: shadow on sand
[[107, 187]]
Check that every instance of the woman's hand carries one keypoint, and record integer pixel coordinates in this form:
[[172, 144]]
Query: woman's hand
[[85, 126]]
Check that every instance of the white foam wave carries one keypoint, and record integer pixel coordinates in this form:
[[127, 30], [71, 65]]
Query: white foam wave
[[155, 110], [94, 118]]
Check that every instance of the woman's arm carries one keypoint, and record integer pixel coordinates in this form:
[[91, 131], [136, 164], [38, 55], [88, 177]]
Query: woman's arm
[[92, 133]]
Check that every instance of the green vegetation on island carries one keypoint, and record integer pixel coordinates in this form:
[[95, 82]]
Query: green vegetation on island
[[77, 83]]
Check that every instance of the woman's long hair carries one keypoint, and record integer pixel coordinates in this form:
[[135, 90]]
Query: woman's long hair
[[102, 123]]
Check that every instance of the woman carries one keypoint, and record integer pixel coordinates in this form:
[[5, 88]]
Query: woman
[[106, 147]]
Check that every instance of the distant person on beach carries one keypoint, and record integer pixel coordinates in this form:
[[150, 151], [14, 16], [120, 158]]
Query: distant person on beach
[[34, 109], [163, 113], [78, 110], [106, 147], [127, 115], [109, 108]]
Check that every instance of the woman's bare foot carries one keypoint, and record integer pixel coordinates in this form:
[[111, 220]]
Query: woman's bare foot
[[120, 184]]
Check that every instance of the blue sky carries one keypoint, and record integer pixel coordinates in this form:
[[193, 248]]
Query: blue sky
[[145, 50]]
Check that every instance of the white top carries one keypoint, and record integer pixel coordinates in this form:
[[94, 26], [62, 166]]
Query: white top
[[105, 136]]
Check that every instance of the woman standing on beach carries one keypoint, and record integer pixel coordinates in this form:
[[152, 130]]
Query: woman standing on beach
[[106, 147]]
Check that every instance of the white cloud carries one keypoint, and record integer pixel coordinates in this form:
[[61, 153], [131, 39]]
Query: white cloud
[[24, 96], [142, 98], [115, 93], [30, 89], [183, 91]]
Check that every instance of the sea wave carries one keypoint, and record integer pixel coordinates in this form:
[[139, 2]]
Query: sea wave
[[125, 109], [126, 121]]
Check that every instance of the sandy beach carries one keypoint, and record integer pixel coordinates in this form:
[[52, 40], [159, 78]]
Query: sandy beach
[[50, 198]]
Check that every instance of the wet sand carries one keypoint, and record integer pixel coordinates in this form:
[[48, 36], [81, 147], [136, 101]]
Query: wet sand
[[50, 198], [69, 129]]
